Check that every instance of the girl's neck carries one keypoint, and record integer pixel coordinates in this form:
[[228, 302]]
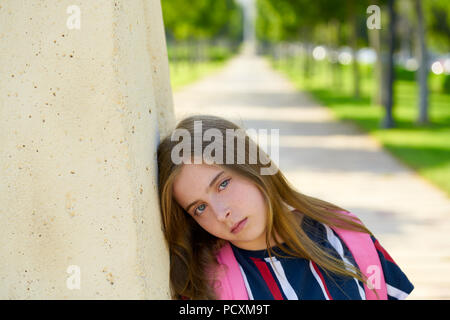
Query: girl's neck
[[260, 245]]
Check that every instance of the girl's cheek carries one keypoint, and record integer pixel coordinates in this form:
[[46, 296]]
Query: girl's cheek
[[238, 192], [210, 226]]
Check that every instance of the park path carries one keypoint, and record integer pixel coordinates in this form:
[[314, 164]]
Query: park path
[[336, 162]]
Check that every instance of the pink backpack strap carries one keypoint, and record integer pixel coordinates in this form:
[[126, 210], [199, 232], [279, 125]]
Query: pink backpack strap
[[232, 286], [366, 257]]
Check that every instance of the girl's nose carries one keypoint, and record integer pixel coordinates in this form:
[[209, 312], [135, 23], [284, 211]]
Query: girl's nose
[[223, 214]]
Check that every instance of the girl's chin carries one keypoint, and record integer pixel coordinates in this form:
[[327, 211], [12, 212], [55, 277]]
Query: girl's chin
[[249, 245], [249, 241]]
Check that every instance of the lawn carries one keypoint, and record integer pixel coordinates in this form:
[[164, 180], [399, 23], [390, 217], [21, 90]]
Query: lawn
[[425, 149], [183, 73], [186, 66]]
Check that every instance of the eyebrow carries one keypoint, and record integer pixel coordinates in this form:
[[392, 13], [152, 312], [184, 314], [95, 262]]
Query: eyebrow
[[210, 185]]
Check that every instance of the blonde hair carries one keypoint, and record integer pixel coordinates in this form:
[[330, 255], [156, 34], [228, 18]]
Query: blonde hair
[[193, 250]]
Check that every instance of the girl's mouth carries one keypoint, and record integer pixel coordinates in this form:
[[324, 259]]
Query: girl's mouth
[[239, 226]]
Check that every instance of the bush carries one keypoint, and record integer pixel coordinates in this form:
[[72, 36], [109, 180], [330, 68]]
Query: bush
[[446, 84], [403, 74], [218, 53]]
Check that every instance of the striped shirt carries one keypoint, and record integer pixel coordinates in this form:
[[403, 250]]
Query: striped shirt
[[300, 279]]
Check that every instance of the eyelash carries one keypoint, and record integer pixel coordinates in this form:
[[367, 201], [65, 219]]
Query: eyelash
[[226, 180]]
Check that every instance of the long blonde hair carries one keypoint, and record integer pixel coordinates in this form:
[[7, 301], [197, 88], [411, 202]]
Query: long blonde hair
[[193, 250]]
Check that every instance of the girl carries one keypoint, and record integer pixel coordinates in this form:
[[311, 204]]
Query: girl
[[218, 214]]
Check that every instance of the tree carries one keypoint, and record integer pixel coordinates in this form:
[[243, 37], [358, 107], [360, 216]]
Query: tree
[[437, 19], [200, 19], [388, 121], [374, 36], [422, 56]]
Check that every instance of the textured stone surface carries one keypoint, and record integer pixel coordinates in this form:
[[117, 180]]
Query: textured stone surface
[[79, 114]]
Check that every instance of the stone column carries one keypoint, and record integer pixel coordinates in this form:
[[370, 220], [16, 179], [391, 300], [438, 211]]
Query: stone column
[[84, 97]]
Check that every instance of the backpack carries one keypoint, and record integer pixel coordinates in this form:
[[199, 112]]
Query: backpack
[[231, 283]]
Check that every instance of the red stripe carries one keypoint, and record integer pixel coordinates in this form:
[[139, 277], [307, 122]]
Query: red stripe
[[268, 278], [384, 252], [322, 279]]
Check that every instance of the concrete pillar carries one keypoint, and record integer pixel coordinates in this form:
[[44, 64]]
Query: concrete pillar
[[81, 112]]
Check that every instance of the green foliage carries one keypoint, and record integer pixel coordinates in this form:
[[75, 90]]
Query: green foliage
[[446, 84], [287, 20], [202, 19], [188, 52], [218, 53], [437, 17], [403, 74], [303, 20]]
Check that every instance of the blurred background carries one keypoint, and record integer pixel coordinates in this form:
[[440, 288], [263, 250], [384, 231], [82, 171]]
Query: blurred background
[[360, 91]]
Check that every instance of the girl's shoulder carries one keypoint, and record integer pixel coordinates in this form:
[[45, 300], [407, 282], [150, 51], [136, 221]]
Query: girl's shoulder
[[315, 230], [397, 283]]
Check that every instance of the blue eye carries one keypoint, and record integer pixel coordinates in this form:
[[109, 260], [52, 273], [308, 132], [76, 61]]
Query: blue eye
[[224, 184], [200, 209]]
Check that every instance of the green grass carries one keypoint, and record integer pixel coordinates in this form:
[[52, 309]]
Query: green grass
[[183, 73], [183, 69], [425, 149]]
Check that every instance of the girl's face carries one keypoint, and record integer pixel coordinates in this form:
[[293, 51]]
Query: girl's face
[[219, 199]]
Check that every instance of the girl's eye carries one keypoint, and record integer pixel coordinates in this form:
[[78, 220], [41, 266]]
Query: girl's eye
[[199, 209], [225, 183]]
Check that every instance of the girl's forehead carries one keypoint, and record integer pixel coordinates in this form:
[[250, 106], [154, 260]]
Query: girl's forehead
[[199, 170], [192, 182], [196, 175]]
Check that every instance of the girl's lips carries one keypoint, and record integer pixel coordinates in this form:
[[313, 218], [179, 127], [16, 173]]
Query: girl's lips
[[239, 226]]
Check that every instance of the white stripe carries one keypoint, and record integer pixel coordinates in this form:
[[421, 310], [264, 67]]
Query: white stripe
[[281, 276], [318, 280], [247, 286], [396, 293], [337, 245]]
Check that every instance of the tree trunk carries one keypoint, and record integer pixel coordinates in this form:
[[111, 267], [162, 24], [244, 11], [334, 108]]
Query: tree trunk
[[80, 110], [308, 61], [422, 58], [337, 66], [375, 43], [354, 44], [388, 121], [333, 45]]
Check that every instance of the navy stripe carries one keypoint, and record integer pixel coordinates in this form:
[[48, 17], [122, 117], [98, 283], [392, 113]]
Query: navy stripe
[[301, 278]]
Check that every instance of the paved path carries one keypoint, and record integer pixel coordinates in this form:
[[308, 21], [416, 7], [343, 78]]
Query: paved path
[[336, 162]]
